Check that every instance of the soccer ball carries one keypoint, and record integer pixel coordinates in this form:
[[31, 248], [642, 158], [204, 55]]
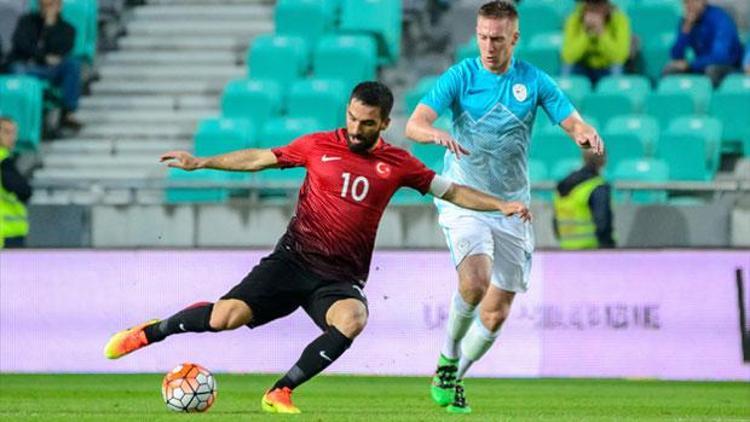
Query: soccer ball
[[188, 388]]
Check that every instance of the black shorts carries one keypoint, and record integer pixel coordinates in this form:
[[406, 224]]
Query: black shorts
[[278, 285]]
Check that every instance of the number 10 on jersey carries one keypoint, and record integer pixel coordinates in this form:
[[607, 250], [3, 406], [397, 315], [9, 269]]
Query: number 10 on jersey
[[359, 187]]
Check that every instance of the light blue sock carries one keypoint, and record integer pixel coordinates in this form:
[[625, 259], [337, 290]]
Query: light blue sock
[[476, 343], [459, 320]]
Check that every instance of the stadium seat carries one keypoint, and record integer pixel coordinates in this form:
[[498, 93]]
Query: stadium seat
[[253, 100], [21, 99], [616, 95], [415, 95], [309, 19], [543, 50], [653, 16], [563, 168], [537, 17], [575, 87], [321, 99], [538, 172], [282, 58], [655, 53], [430, 154], [187, 195], [679, 95], [551, 145], [690, 147], [350, 58], [379, 18], [644, 170], [279, 132], [730, 105], [220, 135], [644, 128]]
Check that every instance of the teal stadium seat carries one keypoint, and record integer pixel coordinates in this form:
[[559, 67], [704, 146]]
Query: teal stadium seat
[[679, 95], [543, 51], [21, 99], [538, 173], [731, 105], [415, 95], [349, 58], [538, 17], [576, 87], [309, 19], [644, 170], [563, 168], [551, 145], [645, 129], [253, 100], [216, 136], [279, 132], [430, 154], [655, 53], [654, 16], [83, 15], [322, 99], [616, 95], [690, 146], [190, 195], [380, 19], [282, 58]]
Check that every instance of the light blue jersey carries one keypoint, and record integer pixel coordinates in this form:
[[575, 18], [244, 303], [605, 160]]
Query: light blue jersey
[[492, 118]]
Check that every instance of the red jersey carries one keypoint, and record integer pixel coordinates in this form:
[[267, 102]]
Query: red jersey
[[342, 200]]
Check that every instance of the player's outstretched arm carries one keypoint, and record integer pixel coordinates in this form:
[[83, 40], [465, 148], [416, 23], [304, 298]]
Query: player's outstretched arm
[[472, 199], [584, 135], [242, 160], [420, 128]]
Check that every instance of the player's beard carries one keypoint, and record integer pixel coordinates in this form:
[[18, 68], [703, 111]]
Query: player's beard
[[364, 143]]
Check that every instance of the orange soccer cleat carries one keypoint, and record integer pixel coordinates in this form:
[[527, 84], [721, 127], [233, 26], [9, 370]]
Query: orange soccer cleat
[[279, 400], [127, 341]]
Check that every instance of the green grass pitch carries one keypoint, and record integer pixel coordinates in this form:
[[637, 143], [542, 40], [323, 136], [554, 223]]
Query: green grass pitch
[[352, 398]]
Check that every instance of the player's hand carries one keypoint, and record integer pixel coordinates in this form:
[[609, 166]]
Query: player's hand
[[516, 208], [181, 160], [453, 146], [588, 138]]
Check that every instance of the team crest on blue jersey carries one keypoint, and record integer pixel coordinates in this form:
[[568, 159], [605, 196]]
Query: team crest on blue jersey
[[520, 92]]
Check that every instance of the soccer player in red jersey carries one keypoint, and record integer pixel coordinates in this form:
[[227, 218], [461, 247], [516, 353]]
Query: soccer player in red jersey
[[322, 261]]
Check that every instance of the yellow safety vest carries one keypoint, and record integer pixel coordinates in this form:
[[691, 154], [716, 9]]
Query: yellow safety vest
[[575, 224], [13, 218]]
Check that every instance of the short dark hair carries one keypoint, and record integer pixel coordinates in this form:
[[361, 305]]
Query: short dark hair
[[499, 9], [374, 94], [8, 119]]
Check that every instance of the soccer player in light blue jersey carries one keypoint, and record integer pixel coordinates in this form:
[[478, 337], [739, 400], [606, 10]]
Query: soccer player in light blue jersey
[[494, 99]]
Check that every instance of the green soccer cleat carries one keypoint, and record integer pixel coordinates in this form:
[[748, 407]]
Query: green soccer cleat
[[459, 404], [444, 381]]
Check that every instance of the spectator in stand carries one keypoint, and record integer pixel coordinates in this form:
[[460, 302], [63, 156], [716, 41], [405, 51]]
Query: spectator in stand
[[42, 43], [582, 204], [14, 190], [712, 35], [746, 60], [596, 41]]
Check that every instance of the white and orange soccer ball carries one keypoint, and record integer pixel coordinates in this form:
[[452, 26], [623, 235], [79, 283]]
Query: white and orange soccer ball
[[189, 388]]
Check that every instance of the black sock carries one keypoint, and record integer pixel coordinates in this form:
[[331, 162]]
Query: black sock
[[193, 319], [316, 357]]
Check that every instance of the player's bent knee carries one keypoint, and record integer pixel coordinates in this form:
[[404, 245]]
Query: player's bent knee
[[229, 314], [472, 291], [348, 316]]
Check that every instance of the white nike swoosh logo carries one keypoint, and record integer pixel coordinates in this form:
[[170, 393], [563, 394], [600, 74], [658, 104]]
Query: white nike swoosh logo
[[326, 158], [182, 327], [323, 355]]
